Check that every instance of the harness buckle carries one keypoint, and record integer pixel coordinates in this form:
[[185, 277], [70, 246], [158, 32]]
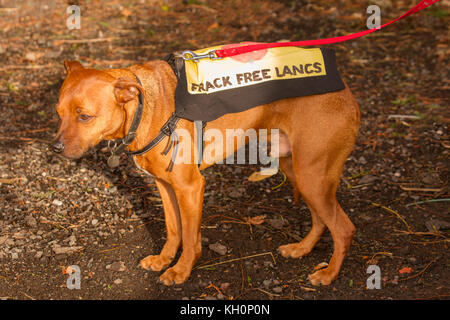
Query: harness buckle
[[188, 55]]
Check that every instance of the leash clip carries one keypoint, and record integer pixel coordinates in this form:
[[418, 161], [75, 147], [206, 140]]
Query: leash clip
[[188, 55]]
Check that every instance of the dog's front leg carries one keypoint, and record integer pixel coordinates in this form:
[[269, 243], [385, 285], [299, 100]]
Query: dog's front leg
[[189, 191], [173, 228]]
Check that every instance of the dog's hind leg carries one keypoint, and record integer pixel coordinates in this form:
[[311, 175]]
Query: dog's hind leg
[[173, 228], [319, 150], [317, 175], [304, 247]]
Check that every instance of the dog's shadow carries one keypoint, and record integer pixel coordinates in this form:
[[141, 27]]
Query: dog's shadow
[[137, 190]]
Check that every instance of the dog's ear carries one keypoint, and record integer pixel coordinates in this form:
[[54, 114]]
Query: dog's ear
[[72, 65], [126, 90]]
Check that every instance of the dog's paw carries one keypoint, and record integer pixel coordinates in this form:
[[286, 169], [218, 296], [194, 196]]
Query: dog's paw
[[173, 276], [155, 263], [294, 250], [322, 277]]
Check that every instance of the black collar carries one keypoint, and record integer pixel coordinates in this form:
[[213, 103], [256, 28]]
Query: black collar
[[129, 137], [120, 145]]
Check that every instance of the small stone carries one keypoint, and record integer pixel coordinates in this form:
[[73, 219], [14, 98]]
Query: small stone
[[435, 224], [218, 248], [52, 54], [367, 179], [276, 223], [112, 189], [72, 240], [267, 283], [64, 250], [60, 257], [94, 222], [118, 266], [277, 289], [224, 286], [362, 160], [30, 221], [118, 281], [412, 259], [33, 56], [3, 239], [38, 254], [57, 202], [14, 255], [235, 194]]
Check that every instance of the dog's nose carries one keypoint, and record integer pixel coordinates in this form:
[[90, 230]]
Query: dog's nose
[[58, 147]]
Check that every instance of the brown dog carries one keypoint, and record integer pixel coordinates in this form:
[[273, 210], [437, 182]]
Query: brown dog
[[318, 130]]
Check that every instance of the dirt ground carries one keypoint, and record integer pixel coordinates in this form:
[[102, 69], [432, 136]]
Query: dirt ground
[[55, 212]]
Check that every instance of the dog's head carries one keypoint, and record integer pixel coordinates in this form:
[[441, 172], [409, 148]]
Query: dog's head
[[91, 109]]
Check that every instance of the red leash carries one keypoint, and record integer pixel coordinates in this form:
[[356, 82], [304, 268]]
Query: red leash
[[223, 53]]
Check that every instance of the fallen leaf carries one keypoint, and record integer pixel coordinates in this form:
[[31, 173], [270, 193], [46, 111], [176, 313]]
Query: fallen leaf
[[307, 289], [405, 270], [66, 250], [276, 223], [33, 56], [9, 181], [258, 176], [118, 266], [67, 270], [257, 220], [125, 12], [213, 26]]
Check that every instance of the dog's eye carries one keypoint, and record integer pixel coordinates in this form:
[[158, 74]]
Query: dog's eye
[[84, 117]]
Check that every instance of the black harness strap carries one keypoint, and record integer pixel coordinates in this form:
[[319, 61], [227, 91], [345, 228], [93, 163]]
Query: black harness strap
[[200, 127], [166, 131], [177, 63]]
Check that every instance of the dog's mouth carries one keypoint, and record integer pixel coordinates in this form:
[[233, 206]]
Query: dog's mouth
[[77, 151], [70, 151]]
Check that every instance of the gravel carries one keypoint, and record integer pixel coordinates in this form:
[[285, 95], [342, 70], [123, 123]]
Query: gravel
[[52, 207]]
